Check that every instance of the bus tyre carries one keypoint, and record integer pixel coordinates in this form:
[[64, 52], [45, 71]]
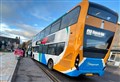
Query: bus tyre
[[50, 64]]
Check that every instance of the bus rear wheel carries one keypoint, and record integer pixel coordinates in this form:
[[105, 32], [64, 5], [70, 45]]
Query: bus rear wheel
[[50, 64]]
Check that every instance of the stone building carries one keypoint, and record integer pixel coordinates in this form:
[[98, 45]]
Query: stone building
[[114, 58], [9, 44]]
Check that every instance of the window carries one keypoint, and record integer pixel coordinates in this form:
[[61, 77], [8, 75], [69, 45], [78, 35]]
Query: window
[[36, 49], [33, 39], [45, 49], [40, 49], [60, 48], [55, 26], [70, 18], [117, 58], [67, 20], [51, 38], [47, 30], [112, 57], [96, 42], [97, 38], [39, 36], [102, 12], [42, 34], [51, 49]]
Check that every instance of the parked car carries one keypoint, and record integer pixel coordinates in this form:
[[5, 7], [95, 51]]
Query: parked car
[[18, 53]]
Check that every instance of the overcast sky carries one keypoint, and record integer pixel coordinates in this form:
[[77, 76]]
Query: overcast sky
[[25, 18]]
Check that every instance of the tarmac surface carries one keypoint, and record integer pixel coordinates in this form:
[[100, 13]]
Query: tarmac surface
[[28, 71], [111, 75], [113, 69]]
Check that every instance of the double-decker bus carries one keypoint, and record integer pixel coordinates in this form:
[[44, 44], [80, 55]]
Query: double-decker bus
[[79, 42]]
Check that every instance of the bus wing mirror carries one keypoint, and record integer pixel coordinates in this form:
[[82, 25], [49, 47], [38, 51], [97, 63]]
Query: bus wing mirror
[[38, 42]]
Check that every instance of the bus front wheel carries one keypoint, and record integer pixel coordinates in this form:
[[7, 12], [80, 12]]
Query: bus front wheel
[[50, 64]]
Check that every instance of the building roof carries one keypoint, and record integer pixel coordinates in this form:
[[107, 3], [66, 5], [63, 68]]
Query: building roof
[[17, 40]]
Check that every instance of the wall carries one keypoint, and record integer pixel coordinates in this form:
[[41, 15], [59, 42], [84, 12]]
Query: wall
[[8, 44]]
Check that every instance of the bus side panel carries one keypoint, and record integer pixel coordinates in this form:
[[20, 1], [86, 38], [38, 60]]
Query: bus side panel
[[42, 58], [88, 66], [60, 36], [67, 61], [36, 56]]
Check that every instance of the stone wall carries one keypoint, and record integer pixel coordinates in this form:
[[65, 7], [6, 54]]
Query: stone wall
[[116, 42]]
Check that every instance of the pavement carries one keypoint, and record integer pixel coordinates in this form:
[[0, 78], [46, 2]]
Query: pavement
[[7, 66], [28, 71], [113, 69]]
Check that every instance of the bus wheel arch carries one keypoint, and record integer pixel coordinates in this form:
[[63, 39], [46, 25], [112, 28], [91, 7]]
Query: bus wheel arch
[[50, 64]]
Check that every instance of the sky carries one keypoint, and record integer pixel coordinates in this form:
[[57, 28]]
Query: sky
[[25, 18]]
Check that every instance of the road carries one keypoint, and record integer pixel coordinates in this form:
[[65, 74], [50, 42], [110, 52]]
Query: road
[[28, 71], [108, 76]]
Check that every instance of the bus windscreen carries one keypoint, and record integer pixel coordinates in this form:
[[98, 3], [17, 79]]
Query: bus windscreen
[[96, 42], [102, 12], [97, 38]]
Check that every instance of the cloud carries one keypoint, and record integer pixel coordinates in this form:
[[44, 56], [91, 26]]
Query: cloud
[[9, 12], [31, 29], [25, 32], [118, 22], [41, 17], [45, 18], [19, 16], [21, 33], [4, 27], [41, 12], [13, 11], [36, 25]]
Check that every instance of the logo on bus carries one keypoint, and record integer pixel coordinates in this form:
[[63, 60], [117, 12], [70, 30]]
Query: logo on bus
[[95, 33], [91, 64]]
